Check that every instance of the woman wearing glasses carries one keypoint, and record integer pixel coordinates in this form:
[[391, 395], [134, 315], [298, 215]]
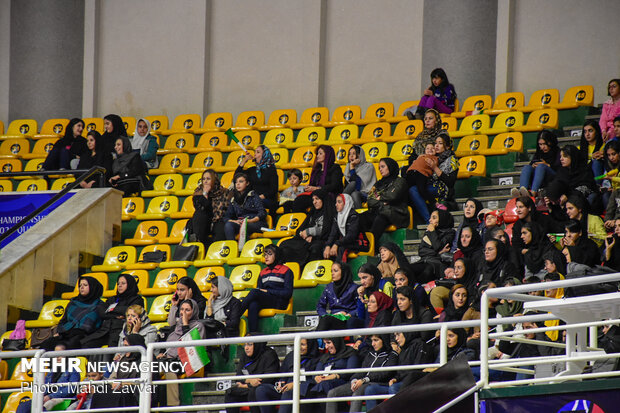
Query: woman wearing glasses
[[273, 290]]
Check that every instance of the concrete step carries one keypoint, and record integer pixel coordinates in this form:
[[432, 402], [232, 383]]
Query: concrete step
[[496, 189]]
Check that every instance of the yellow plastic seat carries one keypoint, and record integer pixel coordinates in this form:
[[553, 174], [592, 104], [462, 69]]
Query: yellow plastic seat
[[472, 145], [210, 141], [401, 150], [371, 247], [160, 308], [475, 165], [373, 132], [310, 136], [176, 233], [541, 119], [218, 254], [227, 178], [60, 183], [185, 123], [6, 185], [270, 312], [250, 139], [204, 160], [278, 119], [160, 207], [314, 273], [476, 103], [3, 366], [506, 102], [344, 134], [204, 276], [40, 149], [130, 124], [164, 185], [279, 138], [342, 153], [252, 252], [95, 124], [14, 148], [294, 267], [52, 128], [302, 158], [280, 156], [504, 143], [450, 124], [286, 226], [11, 165], [244, 277], [165, 282], [117, 259], [233, 161], [505, 122], [541, 99], [32, 165], [102, 277], [576, 96], [472, 125], [21, 128], [251, 119], [190, 185], [282, 180], [148, 232], [171, 163], [177, 143], [140, 265], [377, 112], [316, 116], [407, 129], [344, 115], [32, 185], [375, 151], [15, 399], [186, 211], [393, 228], [216, 122], [184, 264], [132, 206], [399, 117], [158, 123], [1, 128], [50, 314], [141, 277]]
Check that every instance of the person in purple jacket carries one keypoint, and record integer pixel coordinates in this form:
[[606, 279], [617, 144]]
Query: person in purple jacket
[[440, 96], [340, 296]]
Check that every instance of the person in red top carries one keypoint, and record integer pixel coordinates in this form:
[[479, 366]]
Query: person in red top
[[273, 290]]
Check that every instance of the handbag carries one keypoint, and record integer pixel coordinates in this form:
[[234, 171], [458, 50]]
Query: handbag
[[39, 335], [13, 344], [185, 253], [362, 242], [154, 256]]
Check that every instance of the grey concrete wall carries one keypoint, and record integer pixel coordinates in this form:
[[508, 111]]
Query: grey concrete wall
[[46, 58], [459, 36]]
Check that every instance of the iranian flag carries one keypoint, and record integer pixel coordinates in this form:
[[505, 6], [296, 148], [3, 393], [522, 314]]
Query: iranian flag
[[195, 357]]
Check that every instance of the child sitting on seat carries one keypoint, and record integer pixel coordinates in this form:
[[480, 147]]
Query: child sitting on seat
[[295, 176], [491, 218]]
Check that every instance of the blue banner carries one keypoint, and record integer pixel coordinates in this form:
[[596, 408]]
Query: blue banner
[[602, 401], [14, 208]]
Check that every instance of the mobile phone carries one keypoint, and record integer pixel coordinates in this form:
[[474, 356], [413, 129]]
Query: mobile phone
[[176, 297]]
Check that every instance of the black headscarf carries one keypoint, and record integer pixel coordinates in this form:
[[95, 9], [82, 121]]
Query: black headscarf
[[132, 287], [327, 211], [446, 221], [346, 279], [196, 294], [462, 338], [135, 340], [491, 270], [95, 290], [473, 221], [392, 166], [475, 245], [536, 249], [342, 351], [585, 252], [239, 197], [376, 275], [118, 130], [577, 199], [277, 254], [557, 258], [400, 317], [469, 279], [453, 313]]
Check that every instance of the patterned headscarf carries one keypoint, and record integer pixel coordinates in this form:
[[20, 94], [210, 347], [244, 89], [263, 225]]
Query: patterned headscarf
[[265, 162]]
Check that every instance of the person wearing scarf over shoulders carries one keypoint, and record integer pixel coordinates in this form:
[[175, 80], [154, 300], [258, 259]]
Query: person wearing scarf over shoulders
[[359, 175], [146, 143], [497, 266], [344, 236], [223, 311], [263, 177], [326, 175], [379, 314]]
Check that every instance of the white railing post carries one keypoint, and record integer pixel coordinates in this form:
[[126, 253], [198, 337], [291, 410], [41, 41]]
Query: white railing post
[[146, 379], [37, 384], [443, 344], [484, 339], [296, 371]]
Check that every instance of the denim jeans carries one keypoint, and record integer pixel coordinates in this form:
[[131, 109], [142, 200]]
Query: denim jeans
[[535, 176], [418, 201], [374, 389], [597, 167]]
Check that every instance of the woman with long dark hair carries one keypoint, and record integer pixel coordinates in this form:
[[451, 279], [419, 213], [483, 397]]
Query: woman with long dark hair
[[409, 310], [67, 148], [542, 167], [211, 201], [95, 156], [245, 205], [326, 175], [591, 147], [440, 95]]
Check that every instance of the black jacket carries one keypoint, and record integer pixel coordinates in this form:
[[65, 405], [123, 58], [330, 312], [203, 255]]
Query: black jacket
[[352, 231], [265, 362], [384, 358], [266, 185], [233, 315], [333, 180]]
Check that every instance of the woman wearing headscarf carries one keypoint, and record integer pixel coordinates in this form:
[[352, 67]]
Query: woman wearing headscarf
[[612, 249], [309, 242], [95, 156], [471, 209], [137, 322], [577, 208], [112, 312], [469, 245], [433, 127], [497, 266], [67, 148], [465, 273], [283, 389], [458, 303], [537, 245], [392, 258], [378, 314], [387, 201], [379, 355], [345, 235], [437, 240], [146, 143], [211, 201], [577, 247], [457, 340], [370, 281], [573, 175], [128, 170], [326, 175], [80, 318], [359, 176], [409, 311], [338, 356], [114, 128], [186, 289], [245, 205], [337, 303], [223, 311], [274, 288], [263, 177], [257, 358], [543, 166]]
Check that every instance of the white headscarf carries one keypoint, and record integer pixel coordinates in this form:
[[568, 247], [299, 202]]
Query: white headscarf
[[342, 216], [365, 170], [225, 290], [139, 142]]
